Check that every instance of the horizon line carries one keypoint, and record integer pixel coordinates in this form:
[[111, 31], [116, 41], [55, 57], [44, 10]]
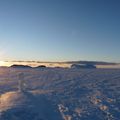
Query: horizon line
[[66, 61]]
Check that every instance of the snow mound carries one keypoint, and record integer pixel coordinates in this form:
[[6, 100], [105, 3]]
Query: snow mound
[[25, 106]]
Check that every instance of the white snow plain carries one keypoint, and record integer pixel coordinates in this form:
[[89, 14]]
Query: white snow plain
[[78, 94]]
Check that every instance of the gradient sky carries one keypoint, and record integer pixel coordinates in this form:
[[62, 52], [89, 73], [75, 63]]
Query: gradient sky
[[60, 30]]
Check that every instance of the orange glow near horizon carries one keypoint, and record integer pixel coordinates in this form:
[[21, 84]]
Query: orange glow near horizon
[[49, 64], [3, 63], [33, 64]]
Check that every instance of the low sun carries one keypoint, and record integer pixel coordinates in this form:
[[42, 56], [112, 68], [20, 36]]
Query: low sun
[[2, 63], [5, 63]]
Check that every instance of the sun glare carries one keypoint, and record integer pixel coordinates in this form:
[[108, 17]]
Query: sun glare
[[2, 63]]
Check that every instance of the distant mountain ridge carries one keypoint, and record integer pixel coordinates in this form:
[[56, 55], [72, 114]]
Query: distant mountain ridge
[[92, 62]]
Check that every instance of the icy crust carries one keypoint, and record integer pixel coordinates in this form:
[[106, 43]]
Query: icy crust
[[15, 100], [25, 106]]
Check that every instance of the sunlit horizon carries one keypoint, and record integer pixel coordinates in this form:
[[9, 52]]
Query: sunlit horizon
[[64, 64]]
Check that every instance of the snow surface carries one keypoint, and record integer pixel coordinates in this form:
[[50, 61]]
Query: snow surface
[[77, 94]]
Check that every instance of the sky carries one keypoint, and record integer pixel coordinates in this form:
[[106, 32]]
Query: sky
[[60, 30]]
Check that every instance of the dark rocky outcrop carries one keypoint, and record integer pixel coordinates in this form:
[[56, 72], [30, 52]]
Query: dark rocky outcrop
[[41, 66], [20, 66]]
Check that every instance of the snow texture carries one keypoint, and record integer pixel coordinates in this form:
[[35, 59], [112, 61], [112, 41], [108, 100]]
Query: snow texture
[[60, 94]]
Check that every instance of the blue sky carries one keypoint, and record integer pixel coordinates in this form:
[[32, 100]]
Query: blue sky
[[60, 30]]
